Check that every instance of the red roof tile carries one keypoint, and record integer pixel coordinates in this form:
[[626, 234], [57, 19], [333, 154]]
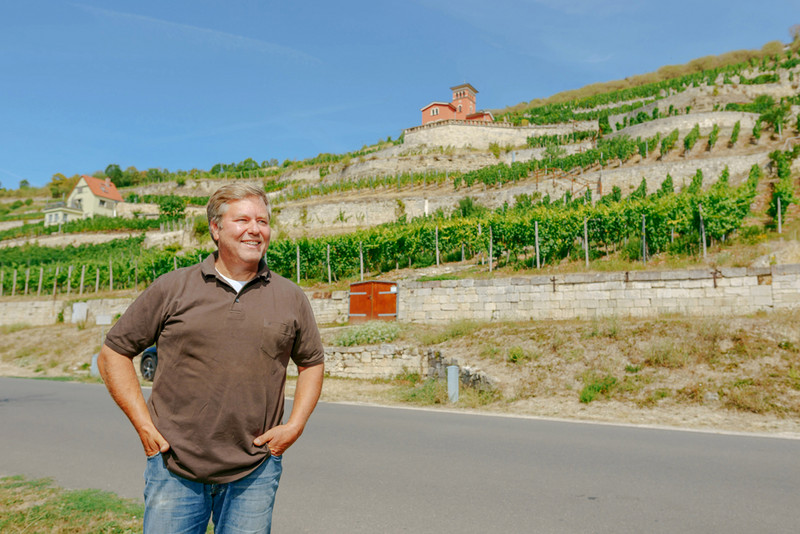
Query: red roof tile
[[103, 188]]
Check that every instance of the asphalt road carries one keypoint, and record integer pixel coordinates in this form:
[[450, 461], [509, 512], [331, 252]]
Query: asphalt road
[[360, 469]]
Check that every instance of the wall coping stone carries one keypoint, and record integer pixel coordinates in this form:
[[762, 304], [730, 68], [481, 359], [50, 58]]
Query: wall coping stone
[[604, 277], [793, 268]]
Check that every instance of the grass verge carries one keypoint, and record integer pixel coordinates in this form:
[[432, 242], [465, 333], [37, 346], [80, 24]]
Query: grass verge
[[38, 506]]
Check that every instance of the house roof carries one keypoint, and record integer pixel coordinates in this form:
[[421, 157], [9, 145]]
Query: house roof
[[446, 104], [481, 113], [102, 188], [60, 209], [468, 86]]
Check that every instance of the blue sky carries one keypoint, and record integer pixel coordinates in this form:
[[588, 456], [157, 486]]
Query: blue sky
[[187, 84]]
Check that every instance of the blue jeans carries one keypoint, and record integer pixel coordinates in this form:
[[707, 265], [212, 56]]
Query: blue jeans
[[175, 505]]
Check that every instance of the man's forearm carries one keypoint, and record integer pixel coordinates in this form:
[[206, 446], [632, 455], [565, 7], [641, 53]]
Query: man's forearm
[[120, 378], [306, 394]]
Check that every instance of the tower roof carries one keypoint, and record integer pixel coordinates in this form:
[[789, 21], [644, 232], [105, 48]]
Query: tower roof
[[468, 86]]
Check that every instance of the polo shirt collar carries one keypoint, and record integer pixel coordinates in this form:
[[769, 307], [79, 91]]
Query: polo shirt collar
[[208, 269]]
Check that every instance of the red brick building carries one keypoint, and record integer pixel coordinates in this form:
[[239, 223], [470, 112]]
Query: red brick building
[[462, 107]]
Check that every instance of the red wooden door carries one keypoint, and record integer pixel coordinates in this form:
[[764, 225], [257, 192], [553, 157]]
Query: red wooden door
[[371, 301]]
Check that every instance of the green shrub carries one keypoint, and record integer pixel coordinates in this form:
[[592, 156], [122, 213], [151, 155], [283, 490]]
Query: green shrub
[[597, 386], [517, 354], [691, 138], [369, 333], [735, 133]]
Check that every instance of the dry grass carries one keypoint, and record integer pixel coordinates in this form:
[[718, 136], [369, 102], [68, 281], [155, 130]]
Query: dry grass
[[726, 367]]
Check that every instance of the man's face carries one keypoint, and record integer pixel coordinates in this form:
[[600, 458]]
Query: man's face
[[243, 233]]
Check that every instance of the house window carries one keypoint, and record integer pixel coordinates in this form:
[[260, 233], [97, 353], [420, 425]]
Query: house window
[[434, 111], [459, 108]]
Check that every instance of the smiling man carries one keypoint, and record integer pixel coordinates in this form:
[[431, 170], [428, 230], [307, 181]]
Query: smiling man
[[225, 329]]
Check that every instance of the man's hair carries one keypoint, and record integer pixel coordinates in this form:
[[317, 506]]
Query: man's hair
[[218, 203]]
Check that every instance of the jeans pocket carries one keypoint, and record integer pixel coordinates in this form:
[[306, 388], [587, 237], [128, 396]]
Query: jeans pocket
[[156, 455]]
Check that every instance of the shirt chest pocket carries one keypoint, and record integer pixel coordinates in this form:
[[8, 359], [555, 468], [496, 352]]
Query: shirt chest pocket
[[277, 340]]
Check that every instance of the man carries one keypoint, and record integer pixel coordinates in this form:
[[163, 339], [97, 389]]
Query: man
[[225, 330]]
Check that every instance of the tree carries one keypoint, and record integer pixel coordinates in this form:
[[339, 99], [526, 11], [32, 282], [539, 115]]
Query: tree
[[60, 185], [131, 176], [24, 184], [248, 165], [155, 175], [114, 173]]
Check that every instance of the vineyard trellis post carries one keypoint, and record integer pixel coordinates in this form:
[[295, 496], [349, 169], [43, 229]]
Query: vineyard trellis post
[[2, 282], [436, 239], [491, 253], [14, 283], [110, 276], [480, 229], [55, 281], [83, 278], [298, 262], [136, 275], [69, 279], [328, 261], [586, 240], [41, 278], [780, 218], [702, 230], [27, 279], [96, 278], [644, 240], [361, 260], [536, 236]]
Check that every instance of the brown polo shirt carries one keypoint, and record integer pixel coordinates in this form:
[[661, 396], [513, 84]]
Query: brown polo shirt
[[222, 361]]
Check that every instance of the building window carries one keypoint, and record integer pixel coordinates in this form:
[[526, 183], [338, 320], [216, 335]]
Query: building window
[[459, 108], [434, 111]]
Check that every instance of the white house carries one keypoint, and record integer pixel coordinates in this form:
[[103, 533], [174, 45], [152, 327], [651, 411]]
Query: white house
[[90, 196]]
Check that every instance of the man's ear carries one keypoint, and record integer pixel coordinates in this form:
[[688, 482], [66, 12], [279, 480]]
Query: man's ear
[[213, 228]]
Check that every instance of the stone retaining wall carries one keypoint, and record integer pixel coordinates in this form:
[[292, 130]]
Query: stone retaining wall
[[463, 134], [682, 172], [373, 361], [389, 360], [734, 291], [684, 124], [727, 291], [330, 307]]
